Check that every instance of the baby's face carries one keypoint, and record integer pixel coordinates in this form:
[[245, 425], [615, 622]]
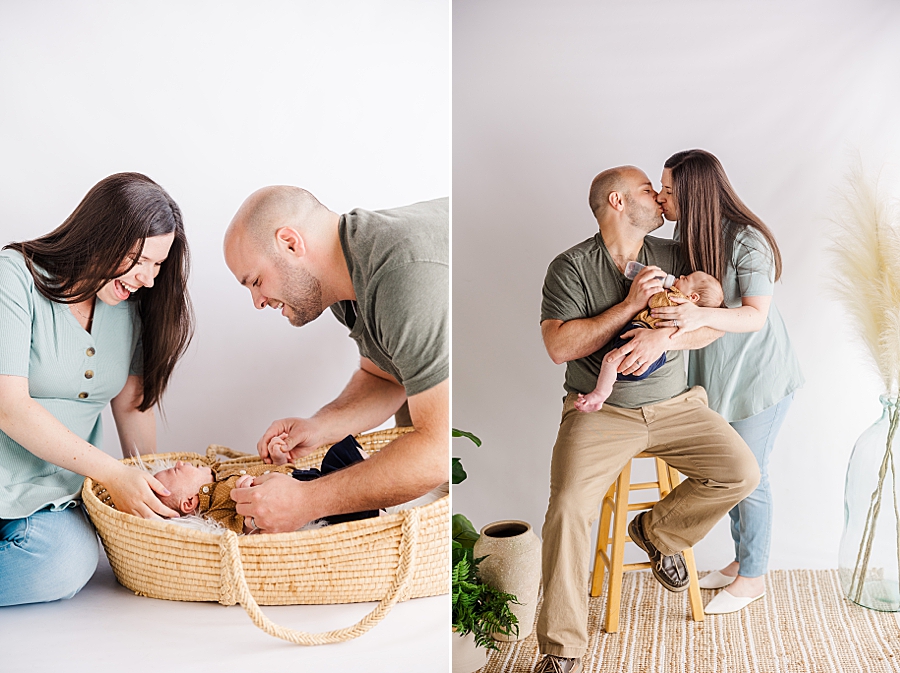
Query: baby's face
[[686, 284], [185, 479]]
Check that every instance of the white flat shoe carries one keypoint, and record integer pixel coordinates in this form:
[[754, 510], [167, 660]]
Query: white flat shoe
[[724, 603], [715, 580]]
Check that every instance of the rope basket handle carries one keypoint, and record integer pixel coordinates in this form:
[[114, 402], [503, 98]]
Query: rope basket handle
[[213, 451], [236, 586]]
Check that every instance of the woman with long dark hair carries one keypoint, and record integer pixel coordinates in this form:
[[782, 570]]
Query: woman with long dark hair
[[95, 312], [750, 373]]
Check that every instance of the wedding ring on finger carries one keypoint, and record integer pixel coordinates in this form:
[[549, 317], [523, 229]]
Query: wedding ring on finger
[[253, 525], [676, 323]]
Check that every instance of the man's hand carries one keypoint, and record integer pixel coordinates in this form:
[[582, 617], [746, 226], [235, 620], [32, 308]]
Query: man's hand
[[646, 284], [368, 400], [642, 350], [288, 439], [407, 468], [276, 502]]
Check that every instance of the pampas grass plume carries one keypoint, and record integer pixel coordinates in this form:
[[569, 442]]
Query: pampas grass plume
[[866, 254]]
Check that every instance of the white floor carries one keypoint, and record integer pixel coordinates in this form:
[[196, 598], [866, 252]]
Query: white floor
[[107, 628]]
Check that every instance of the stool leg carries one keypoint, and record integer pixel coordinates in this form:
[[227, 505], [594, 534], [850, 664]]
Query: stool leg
[[664, 477], [617, 557], [606, 511], [694, 588]]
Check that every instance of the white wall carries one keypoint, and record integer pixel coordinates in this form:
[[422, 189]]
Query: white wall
[[212, 100], [546, 95]]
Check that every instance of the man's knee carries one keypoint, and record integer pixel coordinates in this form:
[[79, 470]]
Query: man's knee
[[746, 470]]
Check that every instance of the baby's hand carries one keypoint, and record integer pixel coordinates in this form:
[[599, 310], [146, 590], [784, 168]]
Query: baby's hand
[[278, 449], [244, 482]]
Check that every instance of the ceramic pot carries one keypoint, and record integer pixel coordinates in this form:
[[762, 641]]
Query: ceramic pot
[[869, 559], [513, 565], [467, 656]]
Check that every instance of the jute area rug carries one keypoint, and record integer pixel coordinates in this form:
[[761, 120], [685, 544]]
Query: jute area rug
[[802, 625]]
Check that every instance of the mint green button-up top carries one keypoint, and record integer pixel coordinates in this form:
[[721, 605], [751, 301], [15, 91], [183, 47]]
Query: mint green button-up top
[[746, 373], [72, 373]]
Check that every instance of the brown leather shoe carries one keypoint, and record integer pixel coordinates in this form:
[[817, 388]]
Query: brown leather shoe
[[550, 663], [670, 571]]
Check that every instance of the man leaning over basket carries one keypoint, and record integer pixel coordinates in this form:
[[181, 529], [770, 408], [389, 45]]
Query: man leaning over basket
[[587, 300], [385, 276]]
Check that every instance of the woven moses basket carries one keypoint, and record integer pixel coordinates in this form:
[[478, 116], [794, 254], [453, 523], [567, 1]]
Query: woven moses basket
[[388, 558]]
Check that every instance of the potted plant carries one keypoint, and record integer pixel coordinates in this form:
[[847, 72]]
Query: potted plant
[[479, 610]]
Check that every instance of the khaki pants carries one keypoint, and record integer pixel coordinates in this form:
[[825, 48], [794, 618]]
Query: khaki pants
[[591, 449]]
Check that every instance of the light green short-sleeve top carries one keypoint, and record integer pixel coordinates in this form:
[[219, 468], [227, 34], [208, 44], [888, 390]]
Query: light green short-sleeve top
[[746, 373], [71, 373]]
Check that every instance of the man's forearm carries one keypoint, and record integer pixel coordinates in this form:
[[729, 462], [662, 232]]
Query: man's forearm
[[407, 468], [366, 402], [566, 341]]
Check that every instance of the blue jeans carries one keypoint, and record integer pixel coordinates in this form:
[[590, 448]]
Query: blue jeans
[[46, 556], [751, 519]]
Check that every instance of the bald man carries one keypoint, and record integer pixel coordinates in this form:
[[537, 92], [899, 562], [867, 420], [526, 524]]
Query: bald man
[[385, 275], [587, 301]]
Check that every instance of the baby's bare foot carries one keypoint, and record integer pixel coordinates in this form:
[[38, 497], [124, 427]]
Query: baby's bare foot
[[244, 481], [589, 402]]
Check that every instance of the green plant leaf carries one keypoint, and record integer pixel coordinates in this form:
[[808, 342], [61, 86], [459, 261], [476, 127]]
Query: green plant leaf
[[468, 435], [478, 609], [459, 474], [464, 532]]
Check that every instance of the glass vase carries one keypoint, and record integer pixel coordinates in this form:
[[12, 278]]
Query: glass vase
[[869, 561]]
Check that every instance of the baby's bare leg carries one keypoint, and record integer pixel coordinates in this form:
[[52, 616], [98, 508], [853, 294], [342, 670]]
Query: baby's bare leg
[[594, 400]]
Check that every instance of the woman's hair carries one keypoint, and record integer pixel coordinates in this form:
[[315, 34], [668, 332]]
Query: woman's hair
[[75, 260], [705, 198]]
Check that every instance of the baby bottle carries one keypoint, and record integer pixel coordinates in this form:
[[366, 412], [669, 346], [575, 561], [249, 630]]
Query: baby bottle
[[633, 268]]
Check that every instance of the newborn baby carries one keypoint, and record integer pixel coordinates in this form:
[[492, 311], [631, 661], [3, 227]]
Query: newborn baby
[[206, 490], [698, 287]]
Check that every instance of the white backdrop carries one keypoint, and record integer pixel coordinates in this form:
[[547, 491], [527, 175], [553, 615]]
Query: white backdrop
[[546, 96], [213, 100]]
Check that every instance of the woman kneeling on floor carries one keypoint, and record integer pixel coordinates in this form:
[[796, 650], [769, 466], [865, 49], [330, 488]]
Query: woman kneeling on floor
[[95, 312]]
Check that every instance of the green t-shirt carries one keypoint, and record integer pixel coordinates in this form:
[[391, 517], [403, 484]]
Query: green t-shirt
[[748, 372], [399, 262], [583, 282], [73, 374]]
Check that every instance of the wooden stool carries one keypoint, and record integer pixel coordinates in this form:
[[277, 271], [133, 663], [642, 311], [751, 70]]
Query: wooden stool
[[615, 509]]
